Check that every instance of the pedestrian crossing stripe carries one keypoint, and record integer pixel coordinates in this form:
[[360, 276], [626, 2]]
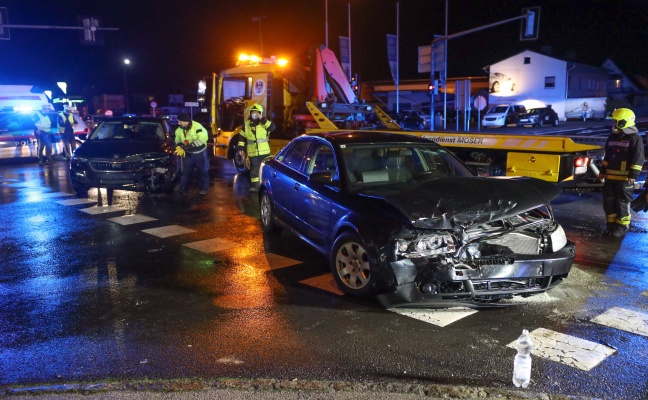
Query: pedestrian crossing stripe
[[625, 320], [97, 210], [438, 317], [168, 231], [74, 202], [131, 219], [566, 349], [324, 282], [272, 261], [210, 245]]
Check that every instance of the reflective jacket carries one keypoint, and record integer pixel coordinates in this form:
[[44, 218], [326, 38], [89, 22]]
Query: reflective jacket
[[257, 135], [194, 139], [42, 122], [64, 119], [624, 155]]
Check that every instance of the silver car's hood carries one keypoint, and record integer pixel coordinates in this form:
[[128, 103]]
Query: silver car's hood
[[446, 203]]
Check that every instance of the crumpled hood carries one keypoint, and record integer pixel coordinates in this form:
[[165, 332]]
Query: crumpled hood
[[116, 149], [445, 203]]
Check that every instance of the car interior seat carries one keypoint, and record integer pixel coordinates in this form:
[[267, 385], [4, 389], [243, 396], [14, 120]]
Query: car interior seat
[[398, 163]]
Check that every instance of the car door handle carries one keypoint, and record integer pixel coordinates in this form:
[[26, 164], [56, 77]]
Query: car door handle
[[297, 186]]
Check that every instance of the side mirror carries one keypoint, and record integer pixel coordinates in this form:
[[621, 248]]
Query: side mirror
[[481, 172], [324, 178]]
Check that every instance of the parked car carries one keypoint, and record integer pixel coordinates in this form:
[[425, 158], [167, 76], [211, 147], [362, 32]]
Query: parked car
[[402, 217], [413, 120], [501, 115], [537, 117], [129, 153]]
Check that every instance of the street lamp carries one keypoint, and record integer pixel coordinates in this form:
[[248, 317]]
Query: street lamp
[[126, 63]]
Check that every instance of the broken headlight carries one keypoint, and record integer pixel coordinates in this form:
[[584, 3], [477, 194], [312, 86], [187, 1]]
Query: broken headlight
[[424, 246], [558, 238]]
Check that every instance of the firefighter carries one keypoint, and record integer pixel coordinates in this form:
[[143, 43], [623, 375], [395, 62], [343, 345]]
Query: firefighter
[[66, 124], [43, 124], [191, 142], [256, 133], [622, 164]]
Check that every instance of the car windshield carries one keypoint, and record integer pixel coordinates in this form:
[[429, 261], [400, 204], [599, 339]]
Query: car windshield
[[128, 130], [498, 110], [387, 164], [534, 111]]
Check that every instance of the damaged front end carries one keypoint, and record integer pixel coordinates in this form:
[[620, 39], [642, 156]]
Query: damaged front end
[[479, 256], [148, 173]]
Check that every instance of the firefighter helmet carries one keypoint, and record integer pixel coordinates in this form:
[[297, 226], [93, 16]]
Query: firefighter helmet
[[624, 117], [256, 107]]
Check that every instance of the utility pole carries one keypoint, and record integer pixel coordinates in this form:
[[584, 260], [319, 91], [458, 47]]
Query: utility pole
[[258, 19]]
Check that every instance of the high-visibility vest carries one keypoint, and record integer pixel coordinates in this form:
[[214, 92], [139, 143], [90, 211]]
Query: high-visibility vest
[[43, 123], [70, 119]]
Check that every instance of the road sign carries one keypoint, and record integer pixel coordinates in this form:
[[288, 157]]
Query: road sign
[[530, 23], [192, 104], [425, 57], [153, 104], [480, 102]]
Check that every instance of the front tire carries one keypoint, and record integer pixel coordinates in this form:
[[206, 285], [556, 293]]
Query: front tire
[[350, 266], [241, 163], [268, 224]]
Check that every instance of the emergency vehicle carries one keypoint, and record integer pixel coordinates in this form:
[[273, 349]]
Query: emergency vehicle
[[17, 105], [320, 98]]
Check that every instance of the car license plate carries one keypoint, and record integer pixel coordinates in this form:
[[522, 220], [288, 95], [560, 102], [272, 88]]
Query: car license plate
[[580, 170]]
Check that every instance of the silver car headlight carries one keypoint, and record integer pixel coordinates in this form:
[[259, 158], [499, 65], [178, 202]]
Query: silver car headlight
[[424, 246], [558, 238]]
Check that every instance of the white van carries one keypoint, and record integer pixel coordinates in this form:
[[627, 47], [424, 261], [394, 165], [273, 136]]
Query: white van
[[502, 114]]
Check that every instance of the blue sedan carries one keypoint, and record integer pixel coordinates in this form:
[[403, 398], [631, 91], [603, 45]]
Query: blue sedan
[[401, 217]]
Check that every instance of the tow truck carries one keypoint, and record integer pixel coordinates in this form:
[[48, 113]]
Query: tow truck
[[302, 100]]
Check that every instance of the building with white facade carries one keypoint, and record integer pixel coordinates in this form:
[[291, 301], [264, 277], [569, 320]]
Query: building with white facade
[[535, 80]]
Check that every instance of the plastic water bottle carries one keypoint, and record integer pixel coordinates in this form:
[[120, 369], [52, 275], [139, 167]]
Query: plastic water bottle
[[522, 363]]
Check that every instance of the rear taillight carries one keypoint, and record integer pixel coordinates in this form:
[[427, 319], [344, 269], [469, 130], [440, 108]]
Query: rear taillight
[[581, 161]]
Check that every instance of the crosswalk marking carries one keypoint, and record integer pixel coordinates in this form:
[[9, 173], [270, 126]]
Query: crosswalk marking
[[168, 231], [272, 262], [132, 219], [624, 319], [210, 245], [439, 317], [74, 202], [566, 349], [324, 282], [96, 210]]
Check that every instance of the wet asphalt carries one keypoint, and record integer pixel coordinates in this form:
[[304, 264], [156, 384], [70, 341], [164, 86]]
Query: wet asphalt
[[86, 300]]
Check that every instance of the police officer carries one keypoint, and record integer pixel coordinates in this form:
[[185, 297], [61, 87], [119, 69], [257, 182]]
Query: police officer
[[42, 133], [66, 124], [256, 132], [191, 140], [622, 164]]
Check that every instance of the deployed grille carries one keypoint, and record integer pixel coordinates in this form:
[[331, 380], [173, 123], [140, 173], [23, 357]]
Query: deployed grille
[[114, 166]]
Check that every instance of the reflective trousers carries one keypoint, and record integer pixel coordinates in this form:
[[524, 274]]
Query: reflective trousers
[[617, 196]]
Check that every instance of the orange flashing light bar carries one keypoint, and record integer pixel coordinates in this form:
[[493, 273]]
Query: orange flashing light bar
[[250, 59]]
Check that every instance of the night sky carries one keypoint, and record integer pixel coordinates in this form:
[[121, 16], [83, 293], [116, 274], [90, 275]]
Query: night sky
[[172, 44]]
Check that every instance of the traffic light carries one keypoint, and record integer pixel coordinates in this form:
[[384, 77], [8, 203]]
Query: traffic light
[[354, 84]]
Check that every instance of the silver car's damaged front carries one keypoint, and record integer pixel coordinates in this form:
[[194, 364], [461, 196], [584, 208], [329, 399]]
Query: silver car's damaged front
[[520, 254]]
